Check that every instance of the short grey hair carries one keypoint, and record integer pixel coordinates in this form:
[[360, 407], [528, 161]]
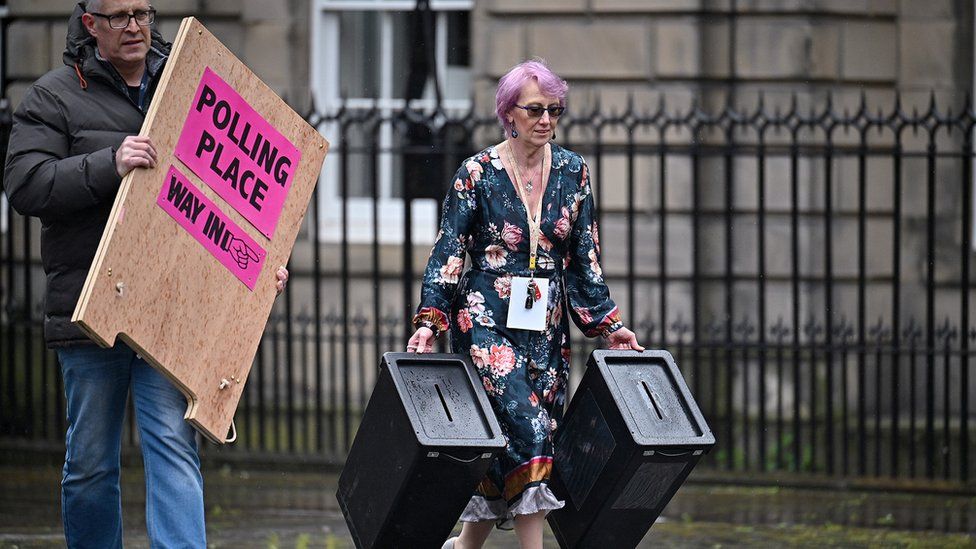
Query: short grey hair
[[96, 5]]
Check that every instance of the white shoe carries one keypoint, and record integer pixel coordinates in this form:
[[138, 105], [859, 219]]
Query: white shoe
[[449, 544]]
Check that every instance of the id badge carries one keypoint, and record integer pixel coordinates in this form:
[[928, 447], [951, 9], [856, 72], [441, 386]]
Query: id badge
[[524, 314]]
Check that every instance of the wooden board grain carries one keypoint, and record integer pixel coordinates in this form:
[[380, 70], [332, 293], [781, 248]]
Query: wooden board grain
[[155, 287]]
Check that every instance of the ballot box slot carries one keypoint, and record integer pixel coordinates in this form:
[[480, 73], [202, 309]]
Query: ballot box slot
[[651, 396], [440, 398], [447, 411]]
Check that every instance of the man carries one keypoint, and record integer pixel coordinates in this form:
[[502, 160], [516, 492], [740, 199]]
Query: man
[[73, 140]]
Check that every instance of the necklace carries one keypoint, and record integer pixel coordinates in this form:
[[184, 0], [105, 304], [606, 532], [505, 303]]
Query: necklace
[[518, 168]]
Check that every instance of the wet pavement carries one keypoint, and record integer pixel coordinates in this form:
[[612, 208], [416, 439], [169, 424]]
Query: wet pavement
[[297, 509]]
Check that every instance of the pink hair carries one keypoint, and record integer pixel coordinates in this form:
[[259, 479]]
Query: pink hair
[[510, 86]]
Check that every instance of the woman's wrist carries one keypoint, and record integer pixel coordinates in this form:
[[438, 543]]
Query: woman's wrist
[[430, 326], [611, 328], [431, 318]]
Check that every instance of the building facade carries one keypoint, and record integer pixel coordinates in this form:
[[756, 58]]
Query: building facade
[[769, 172]]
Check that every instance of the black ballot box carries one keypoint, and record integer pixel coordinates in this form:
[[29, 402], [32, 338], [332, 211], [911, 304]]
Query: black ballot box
[[630, 437], [425, 442]]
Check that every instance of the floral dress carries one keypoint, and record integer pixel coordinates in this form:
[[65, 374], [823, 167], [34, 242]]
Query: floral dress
[[524, 372]]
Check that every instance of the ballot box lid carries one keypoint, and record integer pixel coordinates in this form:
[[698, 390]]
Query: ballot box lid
[[444, 399], [656, 404]]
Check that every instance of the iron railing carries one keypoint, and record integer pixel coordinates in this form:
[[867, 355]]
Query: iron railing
[[808, 267]]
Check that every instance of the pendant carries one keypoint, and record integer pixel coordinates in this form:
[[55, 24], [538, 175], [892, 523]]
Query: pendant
[[528, 186]]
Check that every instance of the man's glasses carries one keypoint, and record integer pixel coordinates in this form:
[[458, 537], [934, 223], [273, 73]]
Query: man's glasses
[[143, 18], [535, 111]]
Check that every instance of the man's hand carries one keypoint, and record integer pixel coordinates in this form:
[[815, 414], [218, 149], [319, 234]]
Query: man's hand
[[282, 275], [136, 151]]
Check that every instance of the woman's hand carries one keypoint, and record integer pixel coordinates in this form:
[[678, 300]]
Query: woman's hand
[[282, 276], [623, 339], [422, 341]]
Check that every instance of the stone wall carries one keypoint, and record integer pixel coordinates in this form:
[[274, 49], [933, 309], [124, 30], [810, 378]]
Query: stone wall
[[612, 48], [615, 51], [265, 34]]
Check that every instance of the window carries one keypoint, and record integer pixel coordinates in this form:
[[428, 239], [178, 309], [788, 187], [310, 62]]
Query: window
[[364, 55]]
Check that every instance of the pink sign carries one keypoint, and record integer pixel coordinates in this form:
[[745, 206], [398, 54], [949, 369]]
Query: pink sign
[[235, 151], [223, 238]]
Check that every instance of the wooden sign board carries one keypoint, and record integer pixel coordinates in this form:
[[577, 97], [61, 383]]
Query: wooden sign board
[[185, 273]]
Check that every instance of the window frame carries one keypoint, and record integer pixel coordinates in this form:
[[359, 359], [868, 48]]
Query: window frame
[[325, 74]]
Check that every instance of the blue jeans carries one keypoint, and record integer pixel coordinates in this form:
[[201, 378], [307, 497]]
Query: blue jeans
[[96, 383]]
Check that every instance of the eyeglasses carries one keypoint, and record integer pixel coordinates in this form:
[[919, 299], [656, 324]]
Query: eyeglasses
[[143, 18], [535, 111]]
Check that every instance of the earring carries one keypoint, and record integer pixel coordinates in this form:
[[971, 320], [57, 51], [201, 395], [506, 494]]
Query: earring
[[514, 133]]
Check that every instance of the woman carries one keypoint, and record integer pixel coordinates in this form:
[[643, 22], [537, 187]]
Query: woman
[[523, 210]]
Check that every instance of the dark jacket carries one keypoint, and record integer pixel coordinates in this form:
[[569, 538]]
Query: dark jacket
[[61, 164]]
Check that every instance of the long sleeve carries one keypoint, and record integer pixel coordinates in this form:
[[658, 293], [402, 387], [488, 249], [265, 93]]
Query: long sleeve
[[40, 178], [590, 305], [446, 262]]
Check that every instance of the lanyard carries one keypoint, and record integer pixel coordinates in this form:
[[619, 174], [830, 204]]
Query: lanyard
[[534, 221]]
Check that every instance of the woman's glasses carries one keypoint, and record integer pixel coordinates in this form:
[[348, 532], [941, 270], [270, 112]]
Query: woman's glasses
[[535, 111]]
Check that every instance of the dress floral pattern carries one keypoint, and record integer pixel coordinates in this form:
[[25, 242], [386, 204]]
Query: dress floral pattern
[[524, 372]]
